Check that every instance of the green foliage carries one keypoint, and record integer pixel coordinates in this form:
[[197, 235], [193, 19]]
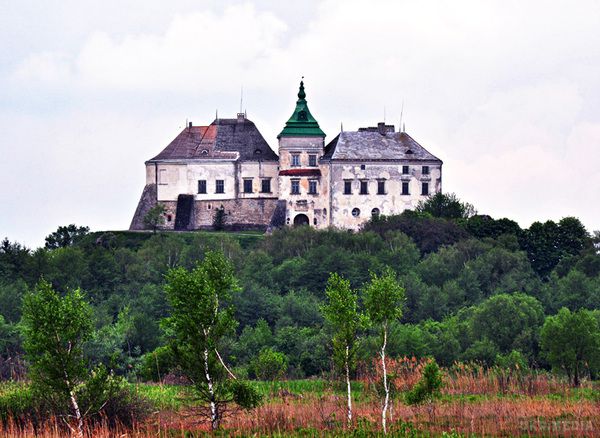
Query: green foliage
[[509, 321], [200, 318], [269, 364], [54, 331], [342, 314], [154, 365], [547, 243], [428, 233], [428, 387], [65, 236], [155, 217], [571, 342], [383, 298], [513, 361], [219, 219], [446, 205]]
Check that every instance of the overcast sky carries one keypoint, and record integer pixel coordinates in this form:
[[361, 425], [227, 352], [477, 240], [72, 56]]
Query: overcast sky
[[506, 93]]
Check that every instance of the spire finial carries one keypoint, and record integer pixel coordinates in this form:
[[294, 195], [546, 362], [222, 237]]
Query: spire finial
[[301, 93]]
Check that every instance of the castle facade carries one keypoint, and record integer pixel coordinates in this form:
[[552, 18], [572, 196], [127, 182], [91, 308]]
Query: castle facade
[[229, 166]]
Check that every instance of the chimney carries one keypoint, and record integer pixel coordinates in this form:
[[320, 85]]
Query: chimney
[[190, 125], [241, 117], [383, 129]]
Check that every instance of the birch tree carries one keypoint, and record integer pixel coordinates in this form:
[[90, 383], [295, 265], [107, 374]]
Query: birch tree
[[341, 312], [200, 318], [54, 330], [383, 299]]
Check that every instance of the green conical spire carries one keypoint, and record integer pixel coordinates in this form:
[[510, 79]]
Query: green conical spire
[[302, 123]]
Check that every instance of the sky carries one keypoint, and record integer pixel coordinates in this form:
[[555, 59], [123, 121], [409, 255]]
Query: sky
[[506, 93]]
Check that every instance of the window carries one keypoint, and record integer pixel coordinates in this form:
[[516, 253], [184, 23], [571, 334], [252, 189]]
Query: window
[[363, 167], [201, 186], [405, 170], [405, 190], [312, 160], [315, 222], [425, 170], [375, 212], [381, 187], [295, 160], [295, 187], [312, 187], [364, 187], [356, 212], [425, 189], [347, 187], [220, 186], [169, 218], [248, 185], [265, 186]]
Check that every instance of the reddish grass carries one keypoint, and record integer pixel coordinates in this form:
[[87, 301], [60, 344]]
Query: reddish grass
[[475, 401]]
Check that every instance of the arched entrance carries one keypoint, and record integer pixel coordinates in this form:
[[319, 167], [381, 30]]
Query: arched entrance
[[301, 219]]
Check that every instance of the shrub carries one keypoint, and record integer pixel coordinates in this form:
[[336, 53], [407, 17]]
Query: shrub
[[428, 387], [155, 365], [270, 364]]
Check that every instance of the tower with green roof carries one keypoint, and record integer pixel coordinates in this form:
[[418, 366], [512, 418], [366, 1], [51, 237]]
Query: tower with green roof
[[302, 178]]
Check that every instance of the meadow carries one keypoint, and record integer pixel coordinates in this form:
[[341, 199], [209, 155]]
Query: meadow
[[474, 402]]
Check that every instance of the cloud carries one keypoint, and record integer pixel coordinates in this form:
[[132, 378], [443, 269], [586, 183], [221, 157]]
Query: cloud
[[505, 92]]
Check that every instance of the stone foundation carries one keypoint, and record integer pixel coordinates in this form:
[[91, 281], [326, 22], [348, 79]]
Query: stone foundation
[[240, 214]]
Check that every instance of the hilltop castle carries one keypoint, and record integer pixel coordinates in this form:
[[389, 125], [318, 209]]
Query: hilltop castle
[[228, 165]]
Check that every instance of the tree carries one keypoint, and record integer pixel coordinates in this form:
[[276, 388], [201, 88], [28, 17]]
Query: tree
[[383, 299], [270, 364], [200, 318], [509, 321], [65, 236], [55, 329], [571, 341], [447, 206], [341, 312], [219, 219], [155, 217], [428, 387]]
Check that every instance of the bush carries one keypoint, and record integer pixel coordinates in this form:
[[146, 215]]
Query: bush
[[428, 387], [270, 364], [155, 365]]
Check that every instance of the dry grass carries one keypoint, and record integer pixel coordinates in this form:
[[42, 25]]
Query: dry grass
[[475, 401]]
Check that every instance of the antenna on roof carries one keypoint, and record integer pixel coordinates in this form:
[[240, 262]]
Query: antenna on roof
[[383, 113], [404, 127], [401, 113], [216, 114], [342, 126], [241, 97]]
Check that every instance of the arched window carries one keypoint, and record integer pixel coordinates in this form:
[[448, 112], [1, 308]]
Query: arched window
[[375, 212], [356, 212]]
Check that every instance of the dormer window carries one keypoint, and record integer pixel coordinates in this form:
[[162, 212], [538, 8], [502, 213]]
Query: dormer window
[[302, 116]]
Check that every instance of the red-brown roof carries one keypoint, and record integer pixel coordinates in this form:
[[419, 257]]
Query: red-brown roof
[[224, 138], [300, 172]]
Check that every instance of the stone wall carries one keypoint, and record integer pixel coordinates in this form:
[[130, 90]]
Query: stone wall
[[240, 214], [147, 201]]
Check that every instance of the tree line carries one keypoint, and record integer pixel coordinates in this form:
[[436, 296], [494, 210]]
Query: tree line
[[475, 288]]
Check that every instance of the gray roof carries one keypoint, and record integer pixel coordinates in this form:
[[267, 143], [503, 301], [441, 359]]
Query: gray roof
[[373, 146], [223, 138]]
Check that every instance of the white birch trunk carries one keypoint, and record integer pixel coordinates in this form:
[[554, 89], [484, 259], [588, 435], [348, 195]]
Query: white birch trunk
[[78, 415], [214, 414], [348, 385], [385, 382]]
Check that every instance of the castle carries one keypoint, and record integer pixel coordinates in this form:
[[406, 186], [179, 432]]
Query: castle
[[229, 166]]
